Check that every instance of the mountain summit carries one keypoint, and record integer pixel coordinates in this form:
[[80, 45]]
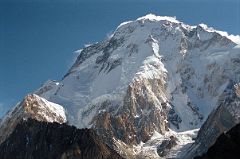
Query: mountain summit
[[149, 87]]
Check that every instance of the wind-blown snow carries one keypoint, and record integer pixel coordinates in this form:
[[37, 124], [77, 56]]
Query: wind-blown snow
[[153, 17]]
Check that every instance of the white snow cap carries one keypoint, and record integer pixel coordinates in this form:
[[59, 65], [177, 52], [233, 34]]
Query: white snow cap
[[153, 17]]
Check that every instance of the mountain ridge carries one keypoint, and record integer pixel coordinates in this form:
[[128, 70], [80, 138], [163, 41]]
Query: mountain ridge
[[46, 140]]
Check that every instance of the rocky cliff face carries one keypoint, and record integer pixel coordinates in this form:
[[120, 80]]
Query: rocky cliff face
[[32, 139], [138, 117], [220, 120], [227, 146]]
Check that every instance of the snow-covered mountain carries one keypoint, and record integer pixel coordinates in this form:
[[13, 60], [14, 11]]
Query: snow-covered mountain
[[150, 86]]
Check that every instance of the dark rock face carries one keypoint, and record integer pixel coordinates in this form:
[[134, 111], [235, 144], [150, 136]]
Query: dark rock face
[[222, 119], [32, 139], [166, 145], [227, 146]]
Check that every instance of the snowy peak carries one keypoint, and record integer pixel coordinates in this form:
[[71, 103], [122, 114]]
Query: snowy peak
[[33, 107], [152, 17], [166, 20], [40, 109], [143, 29], [186, 60]]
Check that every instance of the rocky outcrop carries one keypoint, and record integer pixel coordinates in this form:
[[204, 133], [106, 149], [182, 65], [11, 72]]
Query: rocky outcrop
[[143, 112], [32, 139], [166, 145], [237, 88], [227, 146]]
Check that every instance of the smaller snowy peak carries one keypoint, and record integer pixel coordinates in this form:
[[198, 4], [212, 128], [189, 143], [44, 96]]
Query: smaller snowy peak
[[40, 109], [33, 107]]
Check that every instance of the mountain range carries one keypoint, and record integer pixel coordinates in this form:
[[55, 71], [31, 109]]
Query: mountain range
[[155, 88]]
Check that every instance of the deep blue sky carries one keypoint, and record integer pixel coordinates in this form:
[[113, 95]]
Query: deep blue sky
[[38, 37]]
